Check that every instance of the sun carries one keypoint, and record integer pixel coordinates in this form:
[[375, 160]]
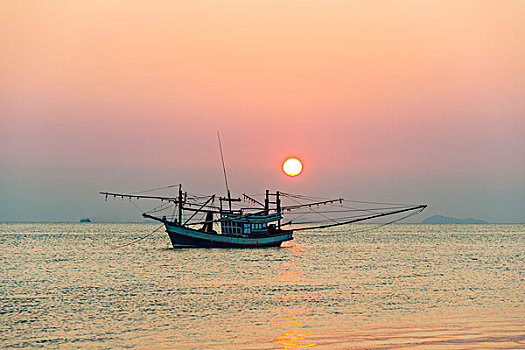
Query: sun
[[292, 166]]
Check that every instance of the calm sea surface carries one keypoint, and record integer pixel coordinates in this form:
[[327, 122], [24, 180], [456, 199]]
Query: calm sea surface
[[396, 287]]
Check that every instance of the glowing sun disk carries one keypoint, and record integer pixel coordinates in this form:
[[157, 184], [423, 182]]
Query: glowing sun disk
[[292, 166]]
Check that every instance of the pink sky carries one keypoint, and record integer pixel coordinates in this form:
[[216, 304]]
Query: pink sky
[[384, 100]]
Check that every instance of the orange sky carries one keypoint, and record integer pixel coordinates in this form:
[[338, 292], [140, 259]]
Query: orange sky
[[365, 92]]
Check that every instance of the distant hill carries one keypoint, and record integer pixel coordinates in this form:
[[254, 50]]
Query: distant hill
[[440, 219]]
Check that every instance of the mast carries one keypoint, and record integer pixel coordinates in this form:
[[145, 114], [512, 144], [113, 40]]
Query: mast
[[180, 204], [277, 203], [224, 171], [278, 207], [267, 202]]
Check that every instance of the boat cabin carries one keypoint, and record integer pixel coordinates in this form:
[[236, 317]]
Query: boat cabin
[[235, 222], [251, 225]]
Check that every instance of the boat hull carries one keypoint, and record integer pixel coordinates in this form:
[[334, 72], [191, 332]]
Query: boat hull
[[184, 237]]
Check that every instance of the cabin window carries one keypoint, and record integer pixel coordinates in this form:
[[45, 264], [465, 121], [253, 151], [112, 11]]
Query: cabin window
[[258, 226], [233, 227]]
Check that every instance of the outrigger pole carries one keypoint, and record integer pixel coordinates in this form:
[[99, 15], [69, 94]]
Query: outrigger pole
[[418, 207]]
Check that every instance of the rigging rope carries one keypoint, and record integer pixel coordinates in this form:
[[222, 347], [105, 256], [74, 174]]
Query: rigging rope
[[326, 217], [136, 206], [156, 189], [350, 209], [161, 207], [390, 222], [138, 239], [299, 196]]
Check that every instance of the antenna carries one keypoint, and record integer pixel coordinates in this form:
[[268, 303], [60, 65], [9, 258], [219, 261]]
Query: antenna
[[223, 167]]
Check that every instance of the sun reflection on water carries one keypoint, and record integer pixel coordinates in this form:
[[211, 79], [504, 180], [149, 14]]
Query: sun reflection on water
[[295, 334], [294, 322]]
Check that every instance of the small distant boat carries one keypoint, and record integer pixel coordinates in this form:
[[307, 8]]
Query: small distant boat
[[85, 220]]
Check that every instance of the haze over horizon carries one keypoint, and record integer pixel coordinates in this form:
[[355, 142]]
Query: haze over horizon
[[412, 102]]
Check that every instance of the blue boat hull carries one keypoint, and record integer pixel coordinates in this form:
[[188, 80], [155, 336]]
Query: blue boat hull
[[184, 237]]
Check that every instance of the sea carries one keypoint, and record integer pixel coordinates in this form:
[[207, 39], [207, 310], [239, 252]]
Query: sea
[[402, 286]]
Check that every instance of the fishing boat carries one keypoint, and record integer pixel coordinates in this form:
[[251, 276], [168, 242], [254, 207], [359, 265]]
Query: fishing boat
[[264, 220], [197, 221]]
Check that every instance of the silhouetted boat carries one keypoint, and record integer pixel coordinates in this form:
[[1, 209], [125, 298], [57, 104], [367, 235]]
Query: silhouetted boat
[[259, 225], [85, 220]]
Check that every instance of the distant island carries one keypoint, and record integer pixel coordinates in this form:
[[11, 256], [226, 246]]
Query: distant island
[[85, 220], [440, 219]]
